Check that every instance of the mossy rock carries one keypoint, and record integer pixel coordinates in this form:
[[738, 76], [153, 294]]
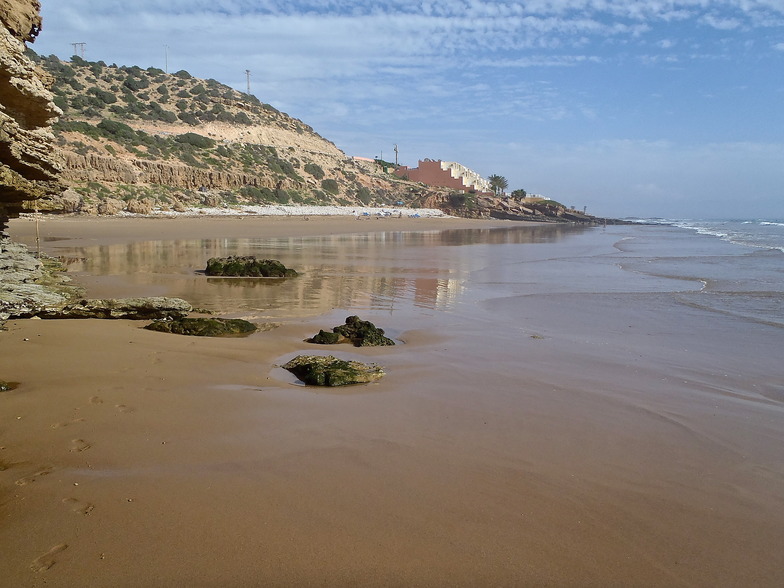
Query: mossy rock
[[204, 327], [248, 266], [325, 338], [319, 370], [360, 333], [6, 386]]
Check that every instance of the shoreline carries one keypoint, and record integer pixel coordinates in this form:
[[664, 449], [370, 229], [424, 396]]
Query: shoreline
[[113, 229]]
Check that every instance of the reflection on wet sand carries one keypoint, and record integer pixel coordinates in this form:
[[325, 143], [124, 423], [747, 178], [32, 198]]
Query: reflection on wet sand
[[373, 271]]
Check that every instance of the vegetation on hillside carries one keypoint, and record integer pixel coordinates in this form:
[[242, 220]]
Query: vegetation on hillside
[[136, 115]]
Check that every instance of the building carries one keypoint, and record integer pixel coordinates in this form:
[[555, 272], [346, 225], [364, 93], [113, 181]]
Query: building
[[445, 174]]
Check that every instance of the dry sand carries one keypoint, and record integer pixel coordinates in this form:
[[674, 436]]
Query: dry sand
[[132, 458]]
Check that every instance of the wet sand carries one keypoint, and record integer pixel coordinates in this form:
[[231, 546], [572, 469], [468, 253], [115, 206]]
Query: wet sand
[[578, 449]]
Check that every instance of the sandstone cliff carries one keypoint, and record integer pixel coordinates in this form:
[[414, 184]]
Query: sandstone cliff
[[28, 167]]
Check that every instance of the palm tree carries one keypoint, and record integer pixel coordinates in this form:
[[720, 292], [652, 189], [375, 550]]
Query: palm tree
[[498, 183]]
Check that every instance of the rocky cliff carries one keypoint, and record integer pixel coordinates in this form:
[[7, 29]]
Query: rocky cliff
[[28, 167]]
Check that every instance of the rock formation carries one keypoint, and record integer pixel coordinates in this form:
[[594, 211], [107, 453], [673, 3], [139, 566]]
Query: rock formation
[[248, 266], [318, 370], [28, 285], [204, 327], [150, 308], [356, 331], [28, 167]]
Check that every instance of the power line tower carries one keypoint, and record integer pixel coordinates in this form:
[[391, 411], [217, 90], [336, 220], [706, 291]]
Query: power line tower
[[247, 76], [78, 49], [396, 164]]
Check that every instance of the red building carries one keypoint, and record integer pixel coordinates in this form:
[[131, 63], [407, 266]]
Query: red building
[[445, 174]]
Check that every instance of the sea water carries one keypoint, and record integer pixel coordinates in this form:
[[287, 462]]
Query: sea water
[[728, 267]]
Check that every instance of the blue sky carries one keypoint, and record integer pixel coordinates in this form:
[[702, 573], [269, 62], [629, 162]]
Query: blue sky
[[655, 108]]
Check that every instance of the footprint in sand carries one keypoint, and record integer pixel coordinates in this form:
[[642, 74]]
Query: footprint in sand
[[123, 408], [78, 506], [33, 477], [79, 445], [96, 400], [7, 465], [47, 560], [65, 424]]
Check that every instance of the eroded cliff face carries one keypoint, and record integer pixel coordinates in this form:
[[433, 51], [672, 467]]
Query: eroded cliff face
[[28, 166]]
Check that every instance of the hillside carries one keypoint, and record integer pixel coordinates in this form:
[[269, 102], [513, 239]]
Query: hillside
[[135, 139]]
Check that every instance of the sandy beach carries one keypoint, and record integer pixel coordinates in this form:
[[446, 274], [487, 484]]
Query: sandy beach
[[580, 426]]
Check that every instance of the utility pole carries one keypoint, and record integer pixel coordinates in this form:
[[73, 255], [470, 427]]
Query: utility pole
[[247, 76], [78, 49], [396, 156], [166, 62]]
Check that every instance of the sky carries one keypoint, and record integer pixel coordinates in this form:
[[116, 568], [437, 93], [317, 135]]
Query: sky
[[659, 108]]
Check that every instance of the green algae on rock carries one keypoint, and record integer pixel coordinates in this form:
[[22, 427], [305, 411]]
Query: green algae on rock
[[204, 327], [360, 333], [320, 370], [248, 266]]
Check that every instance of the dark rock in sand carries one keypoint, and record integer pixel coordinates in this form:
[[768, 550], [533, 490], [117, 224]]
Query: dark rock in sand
[[248, 266], [360, 333], [317, 370], [156, 307], [204, 327], [6, 386], [326, 338]]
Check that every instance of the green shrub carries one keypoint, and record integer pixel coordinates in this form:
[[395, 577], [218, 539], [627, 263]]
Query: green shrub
[[102, 95], [242, 119], [314, 170], [196, 140], [188, 118], [135, 84], [62, 103], [330, 186], [117, 129], [364, 195], [183, 75]]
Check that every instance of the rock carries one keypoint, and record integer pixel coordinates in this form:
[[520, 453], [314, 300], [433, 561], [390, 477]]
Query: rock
[[318, 370], [29, 167], [360, 333], [326, 338], [156, 307], [6, 386], [69, 201], [247, 266], [110, 206], [204, 327], [143, 206], [28, 285]]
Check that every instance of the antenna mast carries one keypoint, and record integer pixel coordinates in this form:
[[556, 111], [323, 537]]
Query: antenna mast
[[247, 76]]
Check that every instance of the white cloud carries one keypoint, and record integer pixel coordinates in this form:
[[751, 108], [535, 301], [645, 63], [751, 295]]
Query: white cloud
[[721, 23]]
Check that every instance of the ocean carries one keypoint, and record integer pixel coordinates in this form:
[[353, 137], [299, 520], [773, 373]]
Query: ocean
[[758, 233], [731, 267]]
